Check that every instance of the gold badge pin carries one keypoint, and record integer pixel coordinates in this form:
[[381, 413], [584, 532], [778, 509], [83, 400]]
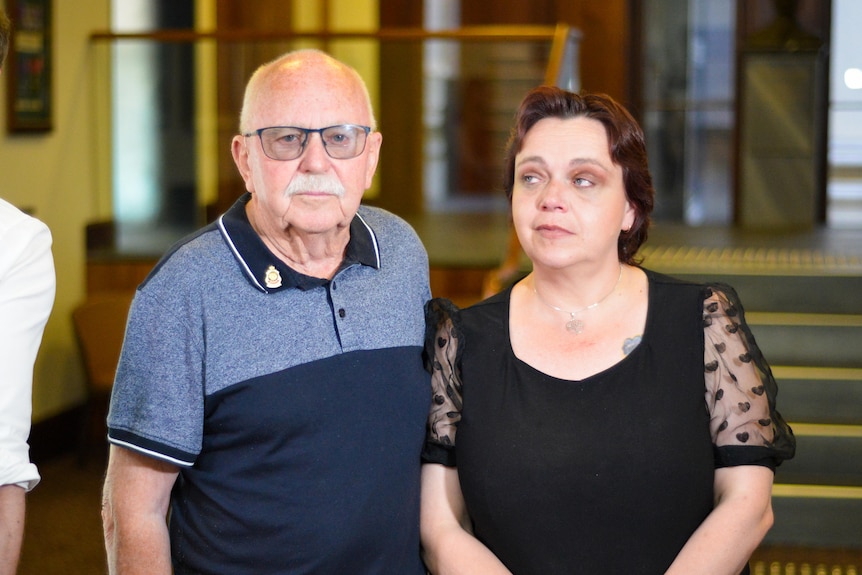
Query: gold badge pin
[[272, 278]]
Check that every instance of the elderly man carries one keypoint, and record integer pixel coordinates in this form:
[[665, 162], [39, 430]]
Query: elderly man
[[270, 393]]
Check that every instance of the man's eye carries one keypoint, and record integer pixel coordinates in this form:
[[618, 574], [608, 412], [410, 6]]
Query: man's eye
[[339, 138], [289, 139]]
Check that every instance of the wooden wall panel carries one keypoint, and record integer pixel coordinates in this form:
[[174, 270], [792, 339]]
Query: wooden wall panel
[[605, 47], [400, 112], [605, 26], [236, 62], [604, 54]]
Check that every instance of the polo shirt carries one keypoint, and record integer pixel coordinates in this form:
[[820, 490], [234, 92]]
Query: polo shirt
[[294, 406]]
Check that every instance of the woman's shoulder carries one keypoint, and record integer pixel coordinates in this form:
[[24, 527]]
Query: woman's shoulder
[[490, 305], [662, 279], [493, 310], [664, 283], [486, 317]]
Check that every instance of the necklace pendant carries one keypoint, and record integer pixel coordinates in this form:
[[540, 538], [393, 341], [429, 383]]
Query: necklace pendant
[[575, 325]]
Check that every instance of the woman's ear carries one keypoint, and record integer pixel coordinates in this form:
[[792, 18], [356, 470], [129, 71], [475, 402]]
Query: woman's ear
[[628, 217]]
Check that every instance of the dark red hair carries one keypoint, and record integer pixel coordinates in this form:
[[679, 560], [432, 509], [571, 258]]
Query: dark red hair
[[626, 146]]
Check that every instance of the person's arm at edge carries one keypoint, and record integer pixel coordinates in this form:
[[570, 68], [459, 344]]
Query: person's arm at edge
[[134, 513], [11, 527], [740, 519], [448, 546], [27, 297]]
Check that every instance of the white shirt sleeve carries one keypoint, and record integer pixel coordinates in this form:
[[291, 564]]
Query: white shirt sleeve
[[27, 286]]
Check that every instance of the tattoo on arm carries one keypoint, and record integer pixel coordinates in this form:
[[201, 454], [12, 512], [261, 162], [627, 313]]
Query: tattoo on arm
[[630, 343]]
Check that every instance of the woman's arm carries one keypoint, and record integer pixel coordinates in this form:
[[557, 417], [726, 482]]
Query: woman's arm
[[732, 531], [449, 547], [134, 511]]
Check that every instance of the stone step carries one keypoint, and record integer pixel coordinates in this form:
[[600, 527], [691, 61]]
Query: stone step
[[816, 517], [814, 340], [825, 455], [819, 394], [819, 292]]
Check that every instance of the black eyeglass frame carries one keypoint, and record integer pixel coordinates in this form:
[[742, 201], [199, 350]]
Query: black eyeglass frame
[[306, 132]]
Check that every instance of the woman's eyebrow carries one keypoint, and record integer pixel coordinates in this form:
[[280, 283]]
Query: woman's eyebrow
[[588, 161]]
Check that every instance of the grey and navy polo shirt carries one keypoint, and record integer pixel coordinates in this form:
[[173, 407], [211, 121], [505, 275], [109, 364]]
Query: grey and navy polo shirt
[[294, 406]]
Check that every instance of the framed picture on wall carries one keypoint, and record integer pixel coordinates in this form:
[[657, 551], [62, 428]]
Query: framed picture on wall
[[28, 67]]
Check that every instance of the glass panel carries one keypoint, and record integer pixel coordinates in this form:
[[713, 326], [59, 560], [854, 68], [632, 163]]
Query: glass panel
[[709, 114], [153, 138], [844, 189], [688, 107], [665, 68]]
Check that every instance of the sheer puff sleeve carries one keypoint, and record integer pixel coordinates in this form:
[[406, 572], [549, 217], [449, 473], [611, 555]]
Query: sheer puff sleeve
[[442, 357], [746, 428]]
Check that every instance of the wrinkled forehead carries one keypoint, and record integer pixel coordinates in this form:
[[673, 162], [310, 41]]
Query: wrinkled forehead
[[296, 94]]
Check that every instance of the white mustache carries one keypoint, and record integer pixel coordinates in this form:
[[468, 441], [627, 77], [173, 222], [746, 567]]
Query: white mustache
[[325, 183]]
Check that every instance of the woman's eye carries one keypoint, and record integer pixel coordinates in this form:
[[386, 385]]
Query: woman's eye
[[582, 182]]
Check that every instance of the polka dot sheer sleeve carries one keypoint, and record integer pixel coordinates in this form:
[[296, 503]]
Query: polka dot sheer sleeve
[[741, 391], [442, 356]]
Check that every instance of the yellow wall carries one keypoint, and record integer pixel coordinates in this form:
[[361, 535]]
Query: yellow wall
[[65, 182]]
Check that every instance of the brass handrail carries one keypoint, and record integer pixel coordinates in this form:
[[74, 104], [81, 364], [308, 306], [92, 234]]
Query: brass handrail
[[467, 33]]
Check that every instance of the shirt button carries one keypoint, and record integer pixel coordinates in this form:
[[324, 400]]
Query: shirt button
[[342, 313]]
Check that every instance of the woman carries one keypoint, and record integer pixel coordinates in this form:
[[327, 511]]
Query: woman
[[573, 403]]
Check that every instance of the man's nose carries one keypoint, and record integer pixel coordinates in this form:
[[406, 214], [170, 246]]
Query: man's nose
[[314, 156]]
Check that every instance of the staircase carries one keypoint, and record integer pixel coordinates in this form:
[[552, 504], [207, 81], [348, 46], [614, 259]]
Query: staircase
[[805, 310]]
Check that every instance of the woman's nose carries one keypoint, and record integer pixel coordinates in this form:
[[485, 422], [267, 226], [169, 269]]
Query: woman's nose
[[551, 197]]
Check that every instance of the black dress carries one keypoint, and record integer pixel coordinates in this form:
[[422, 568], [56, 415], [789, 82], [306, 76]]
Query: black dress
[[613, 473]]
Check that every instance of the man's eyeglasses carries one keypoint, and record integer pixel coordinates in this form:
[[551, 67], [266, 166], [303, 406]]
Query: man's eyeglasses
[[288, 142]]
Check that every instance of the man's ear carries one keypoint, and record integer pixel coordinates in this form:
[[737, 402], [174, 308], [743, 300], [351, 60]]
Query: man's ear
[[375, 140], [239, 151]]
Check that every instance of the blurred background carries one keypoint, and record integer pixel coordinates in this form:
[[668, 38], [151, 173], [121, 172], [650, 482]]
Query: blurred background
[[119, 115]]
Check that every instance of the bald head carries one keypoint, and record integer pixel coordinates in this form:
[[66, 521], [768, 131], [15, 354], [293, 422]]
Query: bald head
[[303, 72]]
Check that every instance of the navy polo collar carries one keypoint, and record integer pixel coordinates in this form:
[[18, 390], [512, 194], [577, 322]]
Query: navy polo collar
[[268, 273]]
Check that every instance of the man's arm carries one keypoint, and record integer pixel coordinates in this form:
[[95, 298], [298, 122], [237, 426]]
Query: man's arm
[[134, 510], [11, 527]]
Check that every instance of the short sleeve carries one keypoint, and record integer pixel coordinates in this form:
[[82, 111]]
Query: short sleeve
[[741, 391], [27, 289], [157, 401], [442, 357]]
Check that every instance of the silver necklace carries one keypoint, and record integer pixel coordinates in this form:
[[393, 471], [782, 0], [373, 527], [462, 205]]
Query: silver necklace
[[575, 325]]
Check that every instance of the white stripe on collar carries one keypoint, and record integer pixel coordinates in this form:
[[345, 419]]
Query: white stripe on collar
[[373, 238], [237, 255]]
